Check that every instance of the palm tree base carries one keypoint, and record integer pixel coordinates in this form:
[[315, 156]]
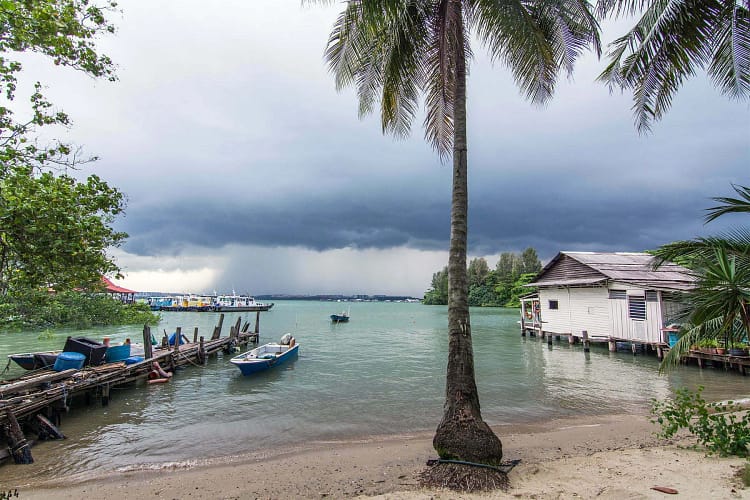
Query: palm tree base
[[464, 478], [463, 437]]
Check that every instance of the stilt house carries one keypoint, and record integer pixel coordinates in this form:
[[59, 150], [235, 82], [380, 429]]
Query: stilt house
[[614, 296]]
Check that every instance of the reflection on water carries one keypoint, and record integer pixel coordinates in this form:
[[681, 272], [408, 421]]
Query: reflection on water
[[381, 373]]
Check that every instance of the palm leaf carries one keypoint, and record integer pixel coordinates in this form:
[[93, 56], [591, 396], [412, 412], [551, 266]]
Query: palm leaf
[[730, 205]]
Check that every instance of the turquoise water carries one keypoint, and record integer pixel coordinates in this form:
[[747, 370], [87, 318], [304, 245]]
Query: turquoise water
[[381, 373]]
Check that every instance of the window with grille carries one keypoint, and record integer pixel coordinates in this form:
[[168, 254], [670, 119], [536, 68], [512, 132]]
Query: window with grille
[[618, 294], [636, 307], [652, 296], [553, 304]]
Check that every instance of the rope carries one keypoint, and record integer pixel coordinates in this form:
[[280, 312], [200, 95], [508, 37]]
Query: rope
[[189, 360], [503, 468]]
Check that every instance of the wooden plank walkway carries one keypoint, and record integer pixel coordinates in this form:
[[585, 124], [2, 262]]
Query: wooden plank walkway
[[47, 393]]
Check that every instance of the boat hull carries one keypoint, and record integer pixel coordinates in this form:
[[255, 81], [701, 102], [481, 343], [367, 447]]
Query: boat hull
[[256, 365], [337, 318], [34, 360], [263, 307]]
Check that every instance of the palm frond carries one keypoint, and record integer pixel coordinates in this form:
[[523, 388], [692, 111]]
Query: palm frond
[[535, 40], [670, 41], [730, 65], [730, 205]]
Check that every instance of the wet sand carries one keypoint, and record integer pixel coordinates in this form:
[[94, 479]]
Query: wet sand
[[616, 456]]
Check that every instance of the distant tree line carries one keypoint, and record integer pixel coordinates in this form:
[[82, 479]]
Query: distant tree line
[[499, 287]]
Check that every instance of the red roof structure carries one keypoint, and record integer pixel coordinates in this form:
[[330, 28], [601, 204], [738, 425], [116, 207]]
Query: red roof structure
[[123, 294], [112, 288]]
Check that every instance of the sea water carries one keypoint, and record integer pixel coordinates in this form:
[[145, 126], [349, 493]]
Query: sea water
[[383, 373]]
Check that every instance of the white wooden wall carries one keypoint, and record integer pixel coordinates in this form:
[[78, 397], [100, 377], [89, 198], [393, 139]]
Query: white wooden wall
[[579, 309], [592, 310]]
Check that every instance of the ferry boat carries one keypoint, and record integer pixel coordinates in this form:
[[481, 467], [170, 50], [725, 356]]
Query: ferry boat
[[239, 303]]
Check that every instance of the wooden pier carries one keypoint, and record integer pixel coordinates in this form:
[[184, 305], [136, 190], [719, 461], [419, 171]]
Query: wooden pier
[[34, 403], [702, 359]]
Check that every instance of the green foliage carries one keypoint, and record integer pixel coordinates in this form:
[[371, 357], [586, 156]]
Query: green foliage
[[64, 31], [500, 287], [438, 294], [54, 231], [719, 306], [717, 427], [32, 310]]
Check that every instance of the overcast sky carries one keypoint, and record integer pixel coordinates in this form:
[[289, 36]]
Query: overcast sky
[[244, 169]]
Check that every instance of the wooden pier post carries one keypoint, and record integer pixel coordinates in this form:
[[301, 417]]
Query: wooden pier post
[[105, 395], [571, 339], [147, 347], [19, 447], [549, 340], [195, 335], [633, 347], [612, 345], [202, 352], [586, 346], [177, 339], [257, 322], [217, 328]]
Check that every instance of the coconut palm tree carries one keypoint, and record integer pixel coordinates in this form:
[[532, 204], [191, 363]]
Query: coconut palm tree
[[719, 307], [397, 51], [671, 40]]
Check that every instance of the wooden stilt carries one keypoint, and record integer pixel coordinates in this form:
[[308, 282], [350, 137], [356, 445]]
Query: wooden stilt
[[148, 352], [612, 345], [105, 395], [571, 339], [257, 322], [195, 335], [202, 352], [177, 339], [633, 347], [20, 449], [585, 336]]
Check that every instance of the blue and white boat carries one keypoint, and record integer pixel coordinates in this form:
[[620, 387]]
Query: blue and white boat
[[267, 356]]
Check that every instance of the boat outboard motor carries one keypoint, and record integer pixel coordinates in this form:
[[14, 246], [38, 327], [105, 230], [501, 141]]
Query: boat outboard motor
[[286, 339]]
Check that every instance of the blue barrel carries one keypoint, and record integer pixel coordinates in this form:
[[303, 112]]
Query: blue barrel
[[133, 360], [68, 360], [117, 353]]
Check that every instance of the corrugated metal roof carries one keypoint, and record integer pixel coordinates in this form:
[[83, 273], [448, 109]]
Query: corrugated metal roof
[[626, 267]]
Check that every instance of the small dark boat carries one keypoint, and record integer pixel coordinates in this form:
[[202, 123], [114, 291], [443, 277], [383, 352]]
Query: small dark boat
[[340, 318], [35, 360]]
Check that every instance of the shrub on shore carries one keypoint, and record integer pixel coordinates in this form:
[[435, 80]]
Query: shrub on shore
[[36, 310]]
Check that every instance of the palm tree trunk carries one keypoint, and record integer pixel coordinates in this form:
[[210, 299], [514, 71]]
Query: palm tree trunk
[[462, 434]]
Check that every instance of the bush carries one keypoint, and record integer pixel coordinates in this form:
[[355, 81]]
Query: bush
[[716, 426], [39, 310]]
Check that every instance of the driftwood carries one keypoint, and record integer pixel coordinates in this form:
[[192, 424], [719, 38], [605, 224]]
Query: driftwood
[[47, 429]]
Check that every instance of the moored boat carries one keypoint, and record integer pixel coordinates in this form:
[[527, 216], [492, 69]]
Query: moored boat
[[340, 318], [267, 356], [35, 360], [238, 303]]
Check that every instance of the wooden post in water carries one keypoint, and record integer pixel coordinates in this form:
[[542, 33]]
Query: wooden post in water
[[612, 345], [586, 346], [257, 321], [202, 352], [148, 352], [217, 328], [19, 447], [195, 335], [177, 338], [105, 395]]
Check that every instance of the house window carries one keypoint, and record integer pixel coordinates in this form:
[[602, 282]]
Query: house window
[[553, 304], [618, 294], [652, 296], [636, 307]]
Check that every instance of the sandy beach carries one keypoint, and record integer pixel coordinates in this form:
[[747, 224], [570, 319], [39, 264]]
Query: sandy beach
[[616, 456]]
